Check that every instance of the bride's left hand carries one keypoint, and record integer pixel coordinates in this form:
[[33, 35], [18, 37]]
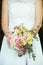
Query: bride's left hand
[[36, 29]]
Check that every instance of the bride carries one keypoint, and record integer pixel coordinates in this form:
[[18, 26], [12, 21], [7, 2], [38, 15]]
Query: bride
[[15, 12]]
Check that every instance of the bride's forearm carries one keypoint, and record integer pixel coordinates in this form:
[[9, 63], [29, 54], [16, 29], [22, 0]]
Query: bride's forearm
[[5, 27], [38, 17], [4, 22]]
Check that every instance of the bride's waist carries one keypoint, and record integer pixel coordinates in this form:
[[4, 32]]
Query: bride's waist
[[16, 21], [20, 19]]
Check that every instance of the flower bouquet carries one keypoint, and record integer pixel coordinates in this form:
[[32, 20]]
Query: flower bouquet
[[22, 41]]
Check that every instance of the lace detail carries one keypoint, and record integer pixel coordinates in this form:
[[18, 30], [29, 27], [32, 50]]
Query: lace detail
[[32, 1]]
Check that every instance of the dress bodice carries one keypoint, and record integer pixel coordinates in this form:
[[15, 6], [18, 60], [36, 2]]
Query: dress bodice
[[21, 12]]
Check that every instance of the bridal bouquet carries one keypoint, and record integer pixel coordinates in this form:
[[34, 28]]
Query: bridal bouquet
[[22, 41]]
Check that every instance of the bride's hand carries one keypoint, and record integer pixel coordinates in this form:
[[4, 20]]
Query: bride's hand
[[8, 36], [36, 29]]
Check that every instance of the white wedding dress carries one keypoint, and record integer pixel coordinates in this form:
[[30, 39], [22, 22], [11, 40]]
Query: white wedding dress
[[21, 12]]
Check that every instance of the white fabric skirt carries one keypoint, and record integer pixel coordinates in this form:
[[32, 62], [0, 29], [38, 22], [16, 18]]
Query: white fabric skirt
[[10, 57]]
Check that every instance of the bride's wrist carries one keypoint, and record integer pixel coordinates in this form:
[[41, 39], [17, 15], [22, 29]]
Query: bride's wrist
[[36, 29]]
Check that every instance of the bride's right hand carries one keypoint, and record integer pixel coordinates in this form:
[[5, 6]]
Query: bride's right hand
[[8, 36]]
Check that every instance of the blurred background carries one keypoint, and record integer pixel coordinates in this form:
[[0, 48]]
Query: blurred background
[[1, 32]]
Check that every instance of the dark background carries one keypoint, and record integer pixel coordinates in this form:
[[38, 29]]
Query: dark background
[[1, 32]]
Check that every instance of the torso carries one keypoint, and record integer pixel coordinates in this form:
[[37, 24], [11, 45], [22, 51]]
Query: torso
[[21, 12]]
